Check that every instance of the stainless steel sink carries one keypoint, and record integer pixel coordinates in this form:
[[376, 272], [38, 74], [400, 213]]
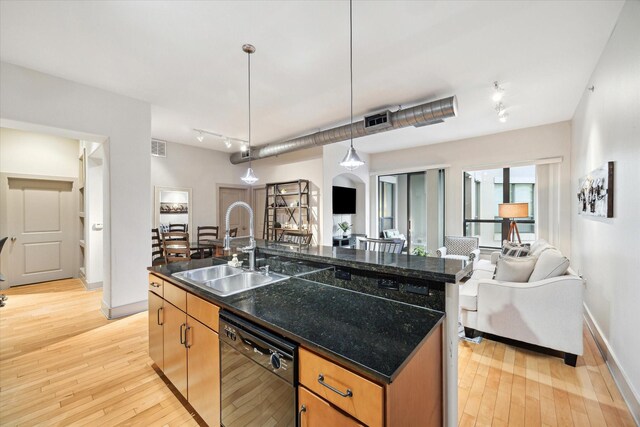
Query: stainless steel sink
[[202, 275], [225, 280]]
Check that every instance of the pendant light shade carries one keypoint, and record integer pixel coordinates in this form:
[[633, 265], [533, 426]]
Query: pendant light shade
[[351, 161], [250, 177]]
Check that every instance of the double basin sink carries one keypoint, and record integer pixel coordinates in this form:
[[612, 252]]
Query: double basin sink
[[225, 280]]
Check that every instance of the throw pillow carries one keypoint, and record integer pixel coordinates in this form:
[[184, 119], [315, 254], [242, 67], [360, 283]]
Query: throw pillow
[[540, 246], [551, 263], [515, 249], [514, 269]]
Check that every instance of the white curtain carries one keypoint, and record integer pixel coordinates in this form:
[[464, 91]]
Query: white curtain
[[548, 202]]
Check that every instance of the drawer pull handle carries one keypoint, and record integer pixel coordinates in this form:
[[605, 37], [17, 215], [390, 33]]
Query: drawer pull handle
[[155, 285], [303, 408], [349, 393], [186, 342]]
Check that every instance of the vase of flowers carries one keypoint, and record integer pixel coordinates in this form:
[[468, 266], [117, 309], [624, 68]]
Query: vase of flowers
[[344, 226]]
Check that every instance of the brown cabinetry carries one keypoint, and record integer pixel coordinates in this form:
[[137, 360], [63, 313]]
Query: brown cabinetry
[[315, 412], [184, 343]]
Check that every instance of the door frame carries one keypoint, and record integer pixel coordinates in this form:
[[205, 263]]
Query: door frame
[[4, 212], [248, 199]]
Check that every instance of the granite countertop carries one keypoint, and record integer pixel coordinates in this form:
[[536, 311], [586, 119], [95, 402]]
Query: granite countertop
[[372, 335], [428, 268]]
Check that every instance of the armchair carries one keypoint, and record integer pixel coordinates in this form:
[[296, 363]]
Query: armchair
[[459, 247]]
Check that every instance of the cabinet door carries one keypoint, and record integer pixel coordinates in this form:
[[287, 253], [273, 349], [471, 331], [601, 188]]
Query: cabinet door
[[156, 340], [315, 412], [204, 371], [175, 353]]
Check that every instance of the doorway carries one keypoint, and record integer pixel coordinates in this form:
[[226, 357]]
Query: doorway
[[413, 205], [40, 225], [239, 218]]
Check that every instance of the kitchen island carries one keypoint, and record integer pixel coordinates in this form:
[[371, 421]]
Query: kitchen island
[[371, 322]]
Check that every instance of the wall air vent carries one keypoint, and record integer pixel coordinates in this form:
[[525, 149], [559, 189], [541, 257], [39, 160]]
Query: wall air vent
[[158, 148], [378, 121]]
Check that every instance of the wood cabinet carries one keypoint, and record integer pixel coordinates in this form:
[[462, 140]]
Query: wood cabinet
[[156, 330], [347, 390], [315, 412], [203, 375], [184, 343], [336, 396]]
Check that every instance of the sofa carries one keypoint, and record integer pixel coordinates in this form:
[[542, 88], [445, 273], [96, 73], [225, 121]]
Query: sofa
[[544, 310]]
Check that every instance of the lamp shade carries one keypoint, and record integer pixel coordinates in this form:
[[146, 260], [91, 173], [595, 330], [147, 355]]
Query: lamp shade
[[513, 210]]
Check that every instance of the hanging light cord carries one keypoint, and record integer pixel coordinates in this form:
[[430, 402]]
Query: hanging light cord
[[351, 64], [249, 62]]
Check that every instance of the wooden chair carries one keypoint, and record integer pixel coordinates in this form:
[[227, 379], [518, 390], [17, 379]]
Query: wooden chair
[[205, 232], [176, 246], [233, 232], [296, 237], [183, 228], [392, 246], [157, 250]]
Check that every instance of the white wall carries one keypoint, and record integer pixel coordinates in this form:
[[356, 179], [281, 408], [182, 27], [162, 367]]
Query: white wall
[[606, 127], [199, 169], [31, 97], [485, 152], [305, 164], [332, 154], [38, 154]]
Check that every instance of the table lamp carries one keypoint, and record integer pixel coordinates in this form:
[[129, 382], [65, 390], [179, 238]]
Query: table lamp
[[512, 211]]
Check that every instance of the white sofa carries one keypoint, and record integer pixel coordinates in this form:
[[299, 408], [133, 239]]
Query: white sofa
[[547, 313]]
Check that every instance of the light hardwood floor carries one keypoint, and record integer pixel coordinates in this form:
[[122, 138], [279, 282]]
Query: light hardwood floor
[[63, 363]]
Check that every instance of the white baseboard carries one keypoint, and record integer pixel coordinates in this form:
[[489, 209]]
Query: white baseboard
[[92, 286], [622, 381], [124, 310]]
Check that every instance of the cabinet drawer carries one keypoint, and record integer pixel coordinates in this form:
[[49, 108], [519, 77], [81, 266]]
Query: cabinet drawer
[[175, 296], [203, 311], [156, 285], [352, 393], [315, 412]]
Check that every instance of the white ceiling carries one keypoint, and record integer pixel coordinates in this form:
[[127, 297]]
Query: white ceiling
[[185, 58]]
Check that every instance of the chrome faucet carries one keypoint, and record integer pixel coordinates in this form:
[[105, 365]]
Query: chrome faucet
[[251, 249]]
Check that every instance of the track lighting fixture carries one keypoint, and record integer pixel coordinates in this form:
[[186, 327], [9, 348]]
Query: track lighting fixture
[[226, 139], [502, 112], [200, 137]]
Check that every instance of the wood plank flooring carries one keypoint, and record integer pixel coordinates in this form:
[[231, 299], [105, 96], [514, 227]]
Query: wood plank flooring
[[63, 363]]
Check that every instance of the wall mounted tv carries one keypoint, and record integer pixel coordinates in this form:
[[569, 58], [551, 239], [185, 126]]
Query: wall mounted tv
[[344, 200]]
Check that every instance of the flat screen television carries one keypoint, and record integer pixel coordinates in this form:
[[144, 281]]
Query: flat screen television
[[344, 200]]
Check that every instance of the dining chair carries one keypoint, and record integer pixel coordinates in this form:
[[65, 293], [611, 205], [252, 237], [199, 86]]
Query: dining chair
[[393, 246], [184, 228], [205, 233], [157, 250], [176, 246]]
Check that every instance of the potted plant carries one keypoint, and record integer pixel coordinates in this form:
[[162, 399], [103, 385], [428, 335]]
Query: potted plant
[[344, 226]]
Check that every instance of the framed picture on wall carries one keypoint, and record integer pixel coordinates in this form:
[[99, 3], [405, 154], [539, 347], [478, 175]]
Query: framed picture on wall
[[595, 192], [174, 208]]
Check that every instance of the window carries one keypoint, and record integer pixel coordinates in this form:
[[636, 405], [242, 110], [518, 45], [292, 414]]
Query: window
[[484, 190]]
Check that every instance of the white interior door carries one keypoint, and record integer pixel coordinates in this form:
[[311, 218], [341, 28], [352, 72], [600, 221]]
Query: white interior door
[[40, 217], [239, 217]]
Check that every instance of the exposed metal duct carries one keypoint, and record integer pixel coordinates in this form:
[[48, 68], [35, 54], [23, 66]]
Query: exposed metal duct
[[420, 115]]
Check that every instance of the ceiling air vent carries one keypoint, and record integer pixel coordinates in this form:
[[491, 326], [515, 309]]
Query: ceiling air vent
[[378, 121], [158, 148], [246, 154]]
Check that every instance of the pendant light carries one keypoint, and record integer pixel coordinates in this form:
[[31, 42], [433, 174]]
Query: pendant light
[[250, 177], [351, 161]]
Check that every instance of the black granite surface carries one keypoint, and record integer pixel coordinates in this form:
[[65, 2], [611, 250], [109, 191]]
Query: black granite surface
[[427, 268], [418, 292]]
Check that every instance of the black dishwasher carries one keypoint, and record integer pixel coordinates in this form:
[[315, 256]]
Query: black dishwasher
[[258, 375]]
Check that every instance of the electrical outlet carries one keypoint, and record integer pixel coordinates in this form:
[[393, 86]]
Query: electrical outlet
[[388, 284], [420, 290]]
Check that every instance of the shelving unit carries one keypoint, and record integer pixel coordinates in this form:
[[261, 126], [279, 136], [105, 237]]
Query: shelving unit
[[286, 203], [81, 212]]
